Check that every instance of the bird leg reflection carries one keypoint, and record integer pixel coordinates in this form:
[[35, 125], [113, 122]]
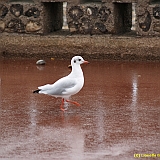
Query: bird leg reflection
[[62, 105]]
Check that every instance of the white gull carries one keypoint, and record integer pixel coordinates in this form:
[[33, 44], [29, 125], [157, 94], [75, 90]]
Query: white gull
[[66, 86]]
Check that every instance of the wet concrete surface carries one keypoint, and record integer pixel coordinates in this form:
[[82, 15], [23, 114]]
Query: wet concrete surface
[[119, 114]]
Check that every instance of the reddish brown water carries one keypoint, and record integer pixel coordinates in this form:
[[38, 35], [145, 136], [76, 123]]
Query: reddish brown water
[[119, 114]]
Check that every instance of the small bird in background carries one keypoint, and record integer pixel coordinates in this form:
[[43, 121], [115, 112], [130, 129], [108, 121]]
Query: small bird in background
[[68, 85]]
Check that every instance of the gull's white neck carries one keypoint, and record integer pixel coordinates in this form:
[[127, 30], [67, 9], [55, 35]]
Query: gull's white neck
[[76, 71]]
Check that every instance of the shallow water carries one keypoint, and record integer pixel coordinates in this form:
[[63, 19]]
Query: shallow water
[[119, 114]]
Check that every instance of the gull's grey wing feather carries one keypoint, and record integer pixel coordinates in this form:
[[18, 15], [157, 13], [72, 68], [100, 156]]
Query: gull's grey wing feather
[[59, 87]]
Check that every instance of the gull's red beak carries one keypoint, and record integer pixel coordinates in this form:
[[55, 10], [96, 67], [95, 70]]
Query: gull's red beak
[[85, 62]]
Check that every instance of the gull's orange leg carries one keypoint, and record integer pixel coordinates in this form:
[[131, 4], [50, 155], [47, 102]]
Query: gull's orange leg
[[62, 105], [73, 102]]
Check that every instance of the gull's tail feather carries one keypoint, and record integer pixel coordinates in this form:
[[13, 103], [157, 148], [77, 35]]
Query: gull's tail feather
[[37, 91]]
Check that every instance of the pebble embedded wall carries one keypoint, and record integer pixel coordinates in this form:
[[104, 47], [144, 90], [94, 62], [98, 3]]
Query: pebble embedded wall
[[114, 16], [148, 18], [35, 18], [20, 18], [90, 18], [83, 16], [99, 18]]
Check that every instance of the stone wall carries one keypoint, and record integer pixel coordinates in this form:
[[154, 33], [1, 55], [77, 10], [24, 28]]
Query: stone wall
[[83, 16], [21, 18], [148, 17], [27, 17], [100, 18], [114, 16]]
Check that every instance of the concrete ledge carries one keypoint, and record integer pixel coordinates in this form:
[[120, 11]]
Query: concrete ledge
[[95, 47]]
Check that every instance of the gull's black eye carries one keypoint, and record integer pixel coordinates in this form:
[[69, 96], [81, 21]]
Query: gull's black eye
[[79, 59], [74, 61]]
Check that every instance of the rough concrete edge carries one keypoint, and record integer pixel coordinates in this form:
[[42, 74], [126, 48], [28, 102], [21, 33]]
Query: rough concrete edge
[[130, 48]]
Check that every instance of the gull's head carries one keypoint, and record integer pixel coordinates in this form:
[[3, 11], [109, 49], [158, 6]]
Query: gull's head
[[78, 60]]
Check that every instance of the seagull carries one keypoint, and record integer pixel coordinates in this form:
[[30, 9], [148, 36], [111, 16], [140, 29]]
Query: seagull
[[68, 85]]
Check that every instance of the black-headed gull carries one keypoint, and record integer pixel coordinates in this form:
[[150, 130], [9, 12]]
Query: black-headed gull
[[66, 86]]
